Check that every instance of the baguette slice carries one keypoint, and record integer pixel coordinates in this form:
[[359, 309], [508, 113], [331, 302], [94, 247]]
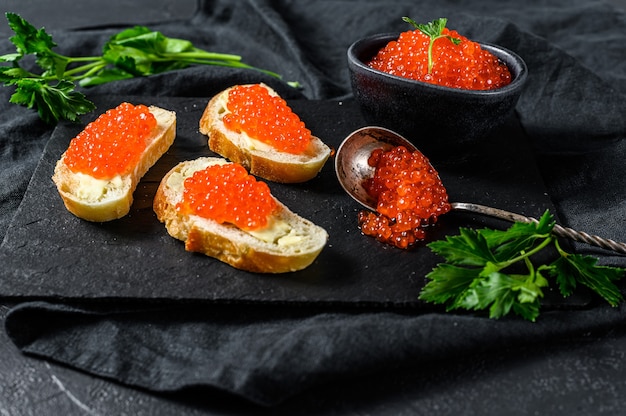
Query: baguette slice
[[261, 160], [105, 200], [293, 242]]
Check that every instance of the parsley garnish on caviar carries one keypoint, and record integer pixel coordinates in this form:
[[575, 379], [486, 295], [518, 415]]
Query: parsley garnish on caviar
[[434, 30], [478, 272], [134, 52]]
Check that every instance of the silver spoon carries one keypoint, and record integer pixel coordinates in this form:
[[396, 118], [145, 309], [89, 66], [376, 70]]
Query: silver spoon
[[352, 169]]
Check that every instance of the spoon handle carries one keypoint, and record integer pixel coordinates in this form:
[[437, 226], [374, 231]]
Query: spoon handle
[[558, 230]]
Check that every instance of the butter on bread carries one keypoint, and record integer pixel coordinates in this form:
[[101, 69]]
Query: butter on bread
[[259, 159], [289, 242], [101, 200]]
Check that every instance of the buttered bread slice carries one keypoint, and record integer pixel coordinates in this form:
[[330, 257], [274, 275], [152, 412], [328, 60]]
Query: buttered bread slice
[[98, 173], [267, 238], [251, 125]]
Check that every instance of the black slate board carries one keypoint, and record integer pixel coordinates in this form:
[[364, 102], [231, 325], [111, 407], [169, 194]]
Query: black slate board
[[48, 253]]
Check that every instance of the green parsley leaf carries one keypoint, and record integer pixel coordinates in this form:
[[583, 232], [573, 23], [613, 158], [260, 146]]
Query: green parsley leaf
[[134, 52], [494, 270], [571, 269], [11, 75], [10, 57], [520, 237], [497, 292], [469, 248], [53, 102], [448, 281], [27, 39]]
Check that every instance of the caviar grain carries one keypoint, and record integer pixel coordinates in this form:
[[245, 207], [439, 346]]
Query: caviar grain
[[266, 118], [410, 197], [465, 66], [112, 144], [228, 194]]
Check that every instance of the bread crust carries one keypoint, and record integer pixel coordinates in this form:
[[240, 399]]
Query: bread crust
[[271, 164], [228, 243], [118, 198]]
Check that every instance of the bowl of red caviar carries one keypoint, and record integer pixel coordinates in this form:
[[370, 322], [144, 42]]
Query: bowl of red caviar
[[434, 86]]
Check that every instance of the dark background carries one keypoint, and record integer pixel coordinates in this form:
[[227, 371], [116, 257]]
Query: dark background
[[586, 378]]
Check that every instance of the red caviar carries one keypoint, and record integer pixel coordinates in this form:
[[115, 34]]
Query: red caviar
[[266, 118], [228, 194], [113, 143], [465, 65], [409, 195]]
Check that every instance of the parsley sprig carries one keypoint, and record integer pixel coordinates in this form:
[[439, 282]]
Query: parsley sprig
[[434, 30], [134, 52], [493, 270]]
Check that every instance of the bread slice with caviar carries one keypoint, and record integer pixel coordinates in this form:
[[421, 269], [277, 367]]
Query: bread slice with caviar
[[101, 199], [286, 243], [260, 158]]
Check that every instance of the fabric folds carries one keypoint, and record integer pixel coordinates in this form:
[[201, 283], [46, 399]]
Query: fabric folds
[[573, 111]]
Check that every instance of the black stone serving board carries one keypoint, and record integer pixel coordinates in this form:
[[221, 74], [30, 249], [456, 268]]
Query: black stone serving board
[[48, 253]]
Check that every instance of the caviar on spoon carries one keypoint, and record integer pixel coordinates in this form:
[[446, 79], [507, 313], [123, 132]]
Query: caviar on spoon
[[354, 169]]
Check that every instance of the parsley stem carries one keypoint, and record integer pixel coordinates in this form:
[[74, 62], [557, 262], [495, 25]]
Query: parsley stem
[[548, 239], [85, 68], [430, 53], [202, 55], [234, 65], [96, 67], [559, 249], [80, 58], [530, 267]]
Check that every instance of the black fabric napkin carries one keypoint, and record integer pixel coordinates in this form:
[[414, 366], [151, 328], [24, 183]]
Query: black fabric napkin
[[573, 111]]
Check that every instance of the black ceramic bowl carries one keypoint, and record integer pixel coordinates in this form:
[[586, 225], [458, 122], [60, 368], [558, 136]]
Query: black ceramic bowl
[[429, 115]]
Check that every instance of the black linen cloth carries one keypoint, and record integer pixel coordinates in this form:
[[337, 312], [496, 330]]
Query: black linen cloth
[[573, 110]]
